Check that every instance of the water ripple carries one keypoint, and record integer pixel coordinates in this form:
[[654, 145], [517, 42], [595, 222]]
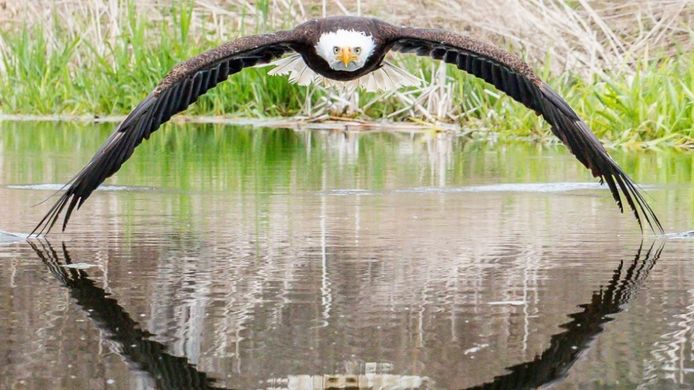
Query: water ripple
[[58, 187]]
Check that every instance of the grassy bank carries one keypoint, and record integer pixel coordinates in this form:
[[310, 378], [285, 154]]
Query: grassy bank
[[51, 68]]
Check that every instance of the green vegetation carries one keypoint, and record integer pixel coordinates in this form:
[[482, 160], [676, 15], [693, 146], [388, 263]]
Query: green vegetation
[[61, 72], [654, 107]]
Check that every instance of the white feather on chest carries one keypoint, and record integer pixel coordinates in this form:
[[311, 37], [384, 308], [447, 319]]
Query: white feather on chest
[[359, 47], [386, 78]]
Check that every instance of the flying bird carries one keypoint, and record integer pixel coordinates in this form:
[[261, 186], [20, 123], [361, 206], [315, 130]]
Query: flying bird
[[350, 50]]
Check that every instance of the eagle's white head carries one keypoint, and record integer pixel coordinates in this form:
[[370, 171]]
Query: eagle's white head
[[345, 50]]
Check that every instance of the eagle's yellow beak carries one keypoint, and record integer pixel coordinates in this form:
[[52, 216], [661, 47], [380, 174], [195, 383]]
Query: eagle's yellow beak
[[346, 55]]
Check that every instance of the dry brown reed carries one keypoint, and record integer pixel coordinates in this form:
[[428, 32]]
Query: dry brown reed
[[583, 36]]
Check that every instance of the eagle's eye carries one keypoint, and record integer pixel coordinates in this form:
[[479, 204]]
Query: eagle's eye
[[357, 50], [336, 49]]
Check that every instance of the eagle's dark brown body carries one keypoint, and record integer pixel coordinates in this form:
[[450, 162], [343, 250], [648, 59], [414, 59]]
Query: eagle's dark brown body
[[190, 79]]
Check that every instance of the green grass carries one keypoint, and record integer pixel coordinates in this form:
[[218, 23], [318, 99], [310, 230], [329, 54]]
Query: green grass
[[650, 109], [653, 108]]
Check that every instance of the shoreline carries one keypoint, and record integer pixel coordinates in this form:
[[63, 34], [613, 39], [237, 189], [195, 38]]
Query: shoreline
[[295, 122], [330, 123]]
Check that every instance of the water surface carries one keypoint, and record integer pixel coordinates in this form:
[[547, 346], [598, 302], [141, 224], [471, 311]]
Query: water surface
[[274, 259]]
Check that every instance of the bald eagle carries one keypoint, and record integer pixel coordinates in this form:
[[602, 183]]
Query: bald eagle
[[347, 50]]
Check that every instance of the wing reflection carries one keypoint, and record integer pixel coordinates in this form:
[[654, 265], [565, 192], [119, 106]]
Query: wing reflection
[[565, 348], [132, 343], [171, 372]]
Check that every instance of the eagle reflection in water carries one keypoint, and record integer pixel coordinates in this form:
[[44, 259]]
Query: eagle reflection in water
[[166, 371]]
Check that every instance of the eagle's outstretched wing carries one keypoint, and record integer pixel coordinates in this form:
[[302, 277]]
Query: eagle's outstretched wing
[[511, 75], [182, 86]]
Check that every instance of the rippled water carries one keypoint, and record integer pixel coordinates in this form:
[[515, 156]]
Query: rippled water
[[274, 259]]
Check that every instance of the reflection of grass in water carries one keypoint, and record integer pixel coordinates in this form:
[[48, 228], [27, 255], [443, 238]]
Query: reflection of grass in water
[[268, 159], [655, 105], [260, 163]]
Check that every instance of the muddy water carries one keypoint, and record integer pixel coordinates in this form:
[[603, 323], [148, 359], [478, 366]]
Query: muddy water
[[276, 259]]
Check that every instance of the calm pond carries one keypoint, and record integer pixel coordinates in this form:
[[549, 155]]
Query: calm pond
[[247, 258]]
